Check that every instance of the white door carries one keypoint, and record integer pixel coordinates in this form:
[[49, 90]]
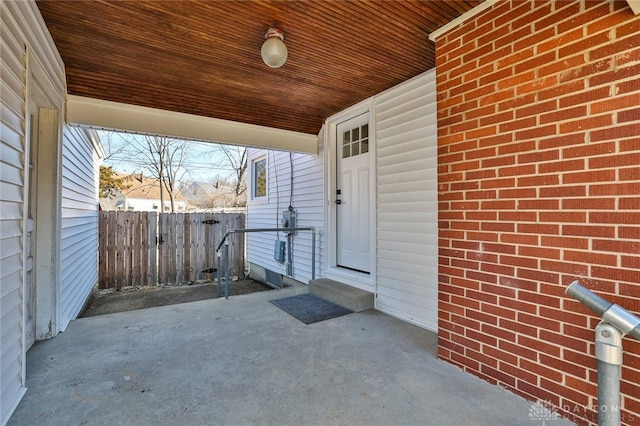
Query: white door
[[353, 249]]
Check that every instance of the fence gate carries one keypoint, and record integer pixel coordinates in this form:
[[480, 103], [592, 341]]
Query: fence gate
[[147, 248]]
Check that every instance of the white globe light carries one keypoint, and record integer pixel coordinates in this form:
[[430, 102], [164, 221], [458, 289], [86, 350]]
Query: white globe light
[[274, 51]]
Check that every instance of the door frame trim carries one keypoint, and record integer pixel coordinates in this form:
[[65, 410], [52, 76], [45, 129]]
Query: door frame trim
[[41, 93], [333, 271]]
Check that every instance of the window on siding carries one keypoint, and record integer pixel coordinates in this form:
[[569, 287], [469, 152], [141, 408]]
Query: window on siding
[[259, 181]]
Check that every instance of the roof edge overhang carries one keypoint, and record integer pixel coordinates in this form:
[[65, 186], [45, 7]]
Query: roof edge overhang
[[460, 19], [101, 114]]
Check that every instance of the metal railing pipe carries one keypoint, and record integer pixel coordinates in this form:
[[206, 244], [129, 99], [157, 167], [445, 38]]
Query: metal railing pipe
[[230, 231], [226, 270], [619, 317], [616, 322], [218, 272]]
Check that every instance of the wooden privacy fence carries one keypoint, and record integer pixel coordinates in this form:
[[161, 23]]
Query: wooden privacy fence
[[149, 248]]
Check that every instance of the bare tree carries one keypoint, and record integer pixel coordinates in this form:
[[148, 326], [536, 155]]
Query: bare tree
[[237, 159], [165, 161], [230, 185], [111, 147], [158, 157]]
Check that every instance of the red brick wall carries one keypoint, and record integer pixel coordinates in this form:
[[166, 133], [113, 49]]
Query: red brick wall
[[539, 185]]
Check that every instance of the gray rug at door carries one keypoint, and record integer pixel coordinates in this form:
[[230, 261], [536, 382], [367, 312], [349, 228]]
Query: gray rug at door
[[309, 308]]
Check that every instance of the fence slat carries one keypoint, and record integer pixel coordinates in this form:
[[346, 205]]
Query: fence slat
[[162, 248], [172, 249], [186, 269], [199, 226], [144, 247], [152, 245], [239, 249], [221, 228], [180, 248], [212, 241], [135, 248], [112, 230], [121, 252]]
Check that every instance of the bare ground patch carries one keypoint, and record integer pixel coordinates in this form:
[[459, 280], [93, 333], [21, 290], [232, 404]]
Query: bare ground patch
[[132, 298]]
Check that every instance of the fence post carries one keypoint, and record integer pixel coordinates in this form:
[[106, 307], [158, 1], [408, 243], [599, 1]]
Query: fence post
[[102, 249]]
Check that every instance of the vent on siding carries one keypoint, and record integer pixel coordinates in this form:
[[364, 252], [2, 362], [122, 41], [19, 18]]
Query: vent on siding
[[273, 278]]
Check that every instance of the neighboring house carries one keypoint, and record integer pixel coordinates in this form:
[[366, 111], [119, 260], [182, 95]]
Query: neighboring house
[[199, 192], [381, 156], [208, 196], [107, 204], [534, 184], [143, 194], [48, 197]]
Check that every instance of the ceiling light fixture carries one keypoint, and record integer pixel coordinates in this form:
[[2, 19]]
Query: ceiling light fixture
[[274, 52]]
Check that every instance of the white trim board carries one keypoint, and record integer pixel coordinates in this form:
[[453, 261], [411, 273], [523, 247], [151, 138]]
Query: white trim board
[[460, 19], [101, 114]]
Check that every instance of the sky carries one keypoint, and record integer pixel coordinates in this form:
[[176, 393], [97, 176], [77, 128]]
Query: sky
[[202, 165]]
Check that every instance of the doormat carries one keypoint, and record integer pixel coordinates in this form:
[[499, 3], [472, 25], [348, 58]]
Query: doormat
[[309, 308]]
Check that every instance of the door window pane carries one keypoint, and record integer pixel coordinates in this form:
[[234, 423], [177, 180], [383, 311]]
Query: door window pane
[[364, 146], [355, 141]]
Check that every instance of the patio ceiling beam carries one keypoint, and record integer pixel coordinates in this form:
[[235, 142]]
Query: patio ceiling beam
[[101, 114]]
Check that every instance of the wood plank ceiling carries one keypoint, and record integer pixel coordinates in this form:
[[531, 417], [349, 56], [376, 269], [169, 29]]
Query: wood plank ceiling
[[203, 57]]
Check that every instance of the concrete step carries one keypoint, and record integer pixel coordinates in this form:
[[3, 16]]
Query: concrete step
[[344, 295]]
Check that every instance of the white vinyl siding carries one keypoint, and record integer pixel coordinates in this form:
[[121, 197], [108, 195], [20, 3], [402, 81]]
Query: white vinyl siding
[[307, 200], [12, 153], [407, 198], [22, 30], [79, 228]]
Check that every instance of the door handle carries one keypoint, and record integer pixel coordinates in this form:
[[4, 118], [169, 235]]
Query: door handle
[[338, 201]]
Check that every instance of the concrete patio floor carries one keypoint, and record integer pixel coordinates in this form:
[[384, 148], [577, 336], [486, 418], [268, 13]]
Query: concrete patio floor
[[243, 361]]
